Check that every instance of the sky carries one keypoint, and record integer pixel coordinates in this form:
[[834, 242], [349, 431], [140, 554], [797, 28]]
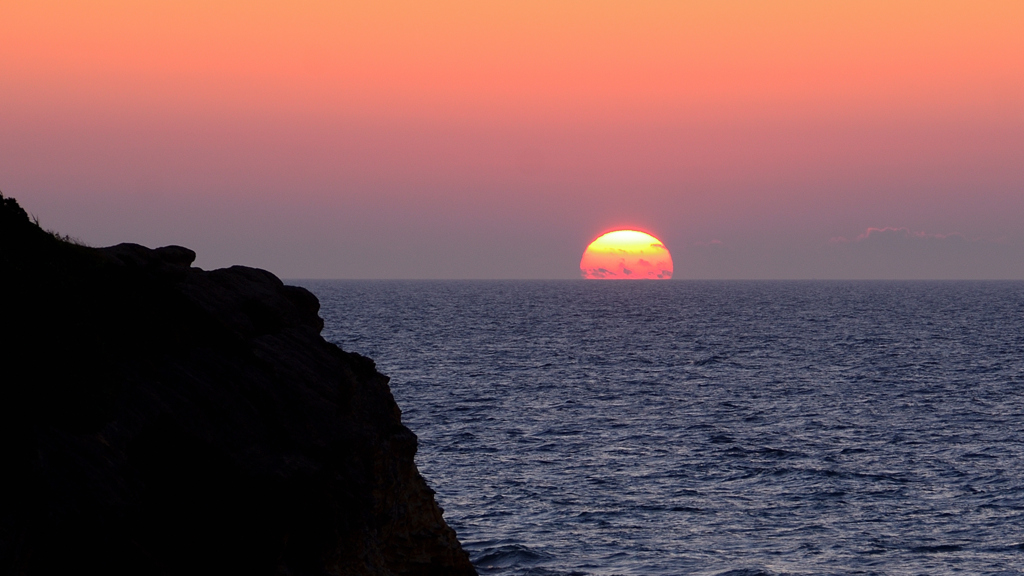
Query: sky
[[498, 138]]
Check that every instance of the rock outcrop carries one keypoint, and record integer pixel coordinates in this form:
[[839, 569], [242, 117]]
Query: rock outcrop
[[156, 418]]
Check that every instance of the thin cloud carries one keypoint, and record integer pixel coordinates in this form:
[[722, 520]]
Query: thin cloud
[[899, 252], [889, 233]]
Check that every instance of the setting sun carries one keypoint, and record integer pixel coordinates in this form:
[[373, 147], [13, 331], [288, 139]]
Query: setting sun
[[626, 255]]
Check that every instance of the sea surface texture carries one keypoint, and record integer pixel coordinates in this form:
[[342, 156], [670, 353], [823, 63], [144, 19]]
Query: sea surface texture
[[736, 428]]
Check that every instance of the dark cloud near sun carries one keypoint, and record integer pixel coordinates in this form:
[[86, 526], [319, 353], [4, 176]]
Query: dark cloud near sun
[[596, 273]]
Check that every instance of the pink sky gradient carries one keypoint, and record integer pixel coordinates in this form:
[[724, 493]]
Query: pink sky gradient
[[494, 140]]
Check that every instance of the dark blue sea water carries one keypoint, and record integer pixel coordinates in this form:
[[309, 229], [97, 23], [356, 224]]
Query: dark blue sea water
[[709, 427]]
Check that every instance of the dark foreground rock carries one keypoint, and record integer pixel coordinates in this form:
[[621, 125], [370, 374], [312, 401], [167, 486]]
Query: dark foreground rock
[[160, 419]]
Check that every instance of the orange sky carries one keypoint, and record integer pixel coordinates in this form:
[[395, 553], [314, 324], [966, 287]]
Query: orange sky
[[508, 133], [588, 60]]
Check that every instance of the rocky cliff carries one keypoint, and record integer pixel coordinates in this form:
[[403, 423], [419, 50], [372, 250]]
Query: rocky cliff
[[156, 418]]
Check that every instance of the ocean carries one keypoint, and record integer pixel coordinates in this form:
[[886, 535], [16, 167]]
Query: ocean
[[728, 428]]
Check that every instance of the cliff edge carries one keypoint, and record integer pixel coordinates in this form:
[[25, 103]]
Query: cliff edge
[[156, 418]]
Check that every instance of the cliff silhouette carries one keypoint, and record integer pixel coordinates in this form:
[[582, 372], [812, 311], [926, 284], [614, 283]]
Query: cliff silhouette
[[156, 418]]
